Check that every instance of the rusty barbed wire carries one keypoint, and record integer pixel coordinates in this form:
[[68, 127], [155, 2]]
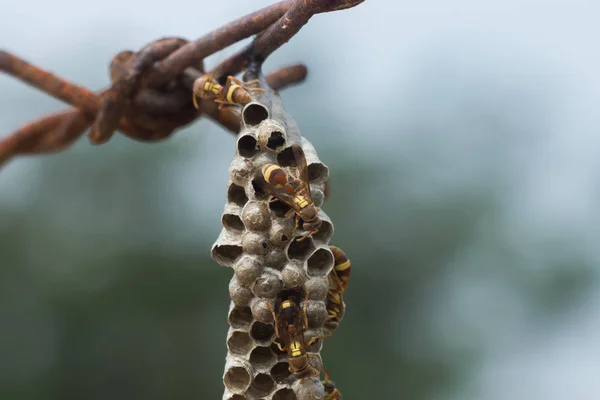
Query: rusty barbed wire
[[149, 99], [153, 116]]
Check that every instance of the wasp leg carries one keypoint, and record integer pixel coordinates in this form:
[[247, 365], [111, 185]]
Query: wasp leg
[[337, 280], [267, 202], [280, 347], [224, 103], [304, 309], [326, 333], [307, 234], [244, 85], [274, 322], [334, 281], [195, 101], [314, 339]]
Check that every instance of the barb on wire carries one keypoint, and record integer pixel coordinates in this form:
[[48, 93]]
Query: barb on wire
[[60, 130], [149, 98], [217, 40]]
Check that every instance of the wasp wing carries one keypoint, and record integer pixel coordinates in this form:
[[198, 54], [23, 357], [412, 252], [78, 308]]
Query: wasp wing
[[281, 193], [302, 166]]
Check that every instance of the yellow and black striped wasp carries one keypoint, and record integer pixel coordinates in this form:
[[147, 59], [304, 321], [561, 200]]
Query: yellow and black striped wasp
[[294, 191], [233, 93], [290, 325], [338, 282]]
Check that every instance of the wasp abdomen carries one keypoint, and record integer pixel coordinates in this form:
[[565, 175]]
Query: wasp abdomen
[[341, 266], [274, 175], [238, 95]]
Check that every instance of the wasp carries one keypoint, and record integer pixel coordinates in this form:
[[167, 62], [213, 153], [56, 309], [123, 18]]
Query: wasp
[[331, 392], [340, 273], [294, 191], [234, 93], [338, 282], [290, 325]]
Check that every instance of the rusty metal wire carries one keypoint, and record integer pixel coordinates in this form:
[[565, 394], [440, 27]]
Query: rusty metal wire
[[149, 97], [152, 115]]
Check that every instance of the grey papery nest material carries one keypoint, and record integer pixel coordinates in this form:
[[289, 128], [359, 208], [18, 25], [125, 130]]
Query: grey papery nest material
[[257, 241]]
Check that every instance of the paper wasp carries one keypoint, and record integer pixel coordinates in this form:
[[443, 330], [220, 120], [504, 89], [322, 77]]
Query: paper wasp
[[338, 282], [331, 392], [290, 325], [294, 191], [234, 93]]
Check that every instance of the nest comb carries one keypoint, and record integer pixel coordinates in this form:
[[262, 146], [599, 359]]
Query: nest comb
[[258, 242]]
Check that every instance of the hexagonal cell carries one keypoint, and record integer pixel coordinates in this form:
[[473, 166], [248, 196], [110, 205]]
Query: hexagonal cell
[[226, 254], [276, 258], [237, 379], [261, 385], [256, 216], [281, 232], [254, 113], [232, 222], [258, 183], [325, 231], [260, 310], [262, 357], [239, 294], [320, 262], [262, 333], [271, 136], [317, 172], [285, 394], [301, 250], [247, 269], [316, 313], [239, 343], [286, 158], [317, 195], [309, 389], [281, 372], [240, 170], [279, 208], [317, 288], [276, 141], [247, 146], [293, 274], [268, 284], [236, 195], [240, 317], [255, 243]]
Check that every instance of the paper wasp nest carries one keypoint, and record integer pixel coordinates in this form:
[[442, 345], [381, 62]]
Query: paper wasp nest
[[257, 241]]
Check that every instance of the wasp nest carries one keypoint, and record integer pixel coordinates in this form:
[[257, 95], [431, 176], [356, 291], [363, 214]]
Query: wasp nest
[[259, 243]]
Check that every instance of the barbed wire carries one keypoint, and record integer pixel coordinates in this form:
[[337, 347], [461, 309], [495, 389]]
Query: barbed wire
[[149, 98]]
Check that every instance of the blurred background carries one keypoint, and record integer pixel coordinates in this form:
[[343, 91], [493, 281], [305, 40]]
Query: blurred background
[[462, 142]]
